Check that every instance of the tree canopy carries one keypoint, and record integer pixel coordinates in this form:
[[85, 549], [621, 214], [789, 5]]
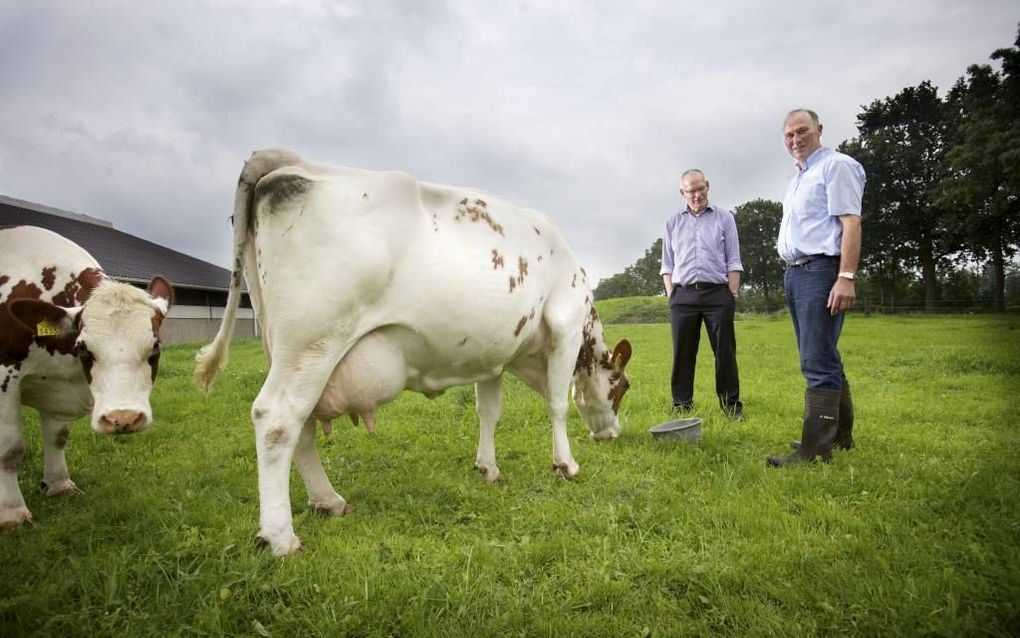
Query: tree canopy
[[942, 198]]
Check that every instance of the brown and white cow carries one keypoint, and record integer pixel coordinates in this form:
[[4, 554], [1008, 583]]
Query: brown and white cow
[[71, 342], [367, 283]]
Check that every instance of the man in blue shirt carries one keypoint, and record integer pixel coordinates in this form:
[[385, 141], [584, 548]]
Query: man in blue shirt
[[820, 240], [701, 271]]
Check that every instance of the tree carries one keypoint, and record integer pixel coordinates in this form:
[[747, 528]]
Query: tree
[[982, 180], [640, 278], [902, 141], [758, 227]]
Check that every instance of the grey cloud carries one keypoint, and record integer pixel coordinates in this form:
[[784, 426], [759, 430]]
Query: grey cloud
[[144, 113]]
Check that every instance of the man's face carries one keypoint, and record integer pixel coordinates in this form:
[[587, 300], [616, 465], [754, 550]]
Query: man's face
[[694, 188], [801, 136]]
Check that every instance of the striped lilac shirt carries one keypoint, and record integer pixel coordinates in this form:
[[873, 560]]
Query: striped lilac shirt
[[701, 248]]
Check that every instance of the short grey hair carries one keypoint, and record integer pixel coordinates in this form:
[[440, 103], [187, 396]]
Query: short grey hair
[[690, 171], [811, 114]]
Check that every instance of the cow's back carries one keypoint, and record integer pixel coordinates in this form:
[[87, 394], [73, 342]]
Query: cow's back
[[356, 250]]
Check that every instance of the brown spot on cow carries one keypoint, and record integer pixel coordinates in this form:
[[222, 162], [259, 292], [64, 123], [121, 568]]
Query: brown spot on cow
[[513, 283], [12, 458], [522, 269], [476, 213], [540, 258], [586, 355], [4, 279], [497, 259], [10, 375], [462, 341], [618, 387], [25, 290], [532, 314], [49, 277], [481, 202], [520, 326], [584, 274], [276, 436], [79, 288], [573, 281], [62, 435], [537, 231]]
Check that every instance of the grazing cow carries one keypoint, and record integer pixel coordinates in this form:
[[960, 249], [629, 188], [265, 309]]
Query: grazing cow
[[71, 341], [369, 283]]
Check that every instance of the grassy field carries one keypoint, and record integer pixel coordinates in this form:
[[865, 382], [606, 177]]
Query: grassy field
[[915, 532]]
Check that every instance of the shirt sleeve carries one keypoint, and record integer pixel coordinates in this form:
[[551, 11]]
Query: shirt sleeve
[[731, 243], [844, 187], [667, 253]]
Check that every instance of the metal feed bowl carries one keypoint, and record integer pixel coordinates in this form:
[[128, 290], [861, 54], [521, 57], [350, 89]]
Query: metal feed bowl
[[682, 429]]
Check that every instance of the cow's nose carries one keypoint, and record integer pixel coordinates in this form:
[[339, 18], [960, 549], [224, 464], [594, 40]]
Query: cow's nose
[[122, 421]]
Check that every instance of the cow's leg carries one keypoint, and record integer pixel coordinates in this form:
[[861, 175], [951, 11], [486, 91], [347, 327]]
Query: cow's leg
[[56, 479], [321, 494], [13, 511], [489, 403], [558, 376], [279, 414]]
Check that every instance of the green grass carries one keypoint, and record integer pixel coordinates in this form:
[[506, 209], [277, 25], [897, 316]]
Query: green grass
[[634, 310], [915, 532]]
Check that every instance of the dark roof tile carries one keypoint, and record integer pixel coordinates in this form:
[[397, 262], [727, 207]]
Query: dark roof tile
[[121, 255]]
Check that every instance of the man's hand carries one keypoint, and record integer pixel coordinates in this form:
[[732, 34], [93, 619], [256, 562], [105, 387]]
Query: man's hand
[[842, 296]]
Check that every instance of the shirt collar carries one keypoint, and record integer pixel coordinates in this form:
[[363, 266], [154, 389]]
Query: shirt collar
[[813, 158], [709, 208]]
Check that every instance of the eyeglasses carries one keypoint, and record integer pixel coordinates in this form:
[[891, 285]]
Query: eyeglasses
[[692, 191]]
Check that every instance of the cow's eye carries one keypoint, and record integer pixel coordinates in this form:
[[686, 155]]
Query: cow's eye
[[154, 355]]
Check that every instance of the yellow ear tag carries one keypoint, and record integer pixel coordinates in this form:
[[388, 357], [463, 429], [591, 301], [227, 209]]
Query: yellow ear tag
[[46, 329]]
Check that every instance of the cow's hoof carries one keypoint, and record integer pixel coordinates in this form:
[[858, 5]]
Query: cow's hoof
[[282, 548], [567, 470], [11, 518], [490, 472], [59, 488], [340, 508]]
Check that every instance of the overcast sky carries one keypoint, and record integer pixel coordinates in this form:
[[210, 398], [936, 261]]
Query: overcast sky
[[142, 113]]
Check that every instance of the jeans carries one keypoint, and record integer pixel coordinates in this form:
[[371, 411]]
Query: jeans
[[817, 331]]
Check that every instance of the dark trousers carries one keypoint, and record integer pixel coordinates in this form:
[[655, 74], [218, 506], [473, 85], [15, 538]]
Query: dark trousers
[[687, 309]]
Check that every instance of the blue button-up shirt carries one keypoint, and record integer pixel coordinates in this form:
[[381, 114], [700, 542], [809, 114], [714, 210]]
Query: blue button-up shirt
[[701, 248], [829, 185]]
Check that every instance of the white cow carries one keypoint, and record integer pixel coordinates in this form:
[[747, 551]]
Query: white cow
[[71, 341], [368, 283]]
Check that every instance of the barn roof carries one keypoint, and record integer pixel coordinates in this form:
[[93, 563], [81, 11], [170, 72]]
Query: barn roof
[[122, 256]]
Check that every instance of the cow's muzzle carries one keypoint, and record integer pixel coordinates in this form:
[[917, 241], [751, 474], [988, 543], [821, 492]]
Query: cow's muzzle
[[122, 422]]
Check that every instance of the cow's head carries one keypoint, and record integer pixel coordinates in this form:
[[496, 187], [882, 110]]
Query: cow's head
[[599, 386], [115, 336]]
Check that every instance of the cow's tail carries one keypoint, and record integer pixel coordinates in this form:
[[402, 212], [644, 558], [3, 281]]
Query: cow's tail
[[212, 358]]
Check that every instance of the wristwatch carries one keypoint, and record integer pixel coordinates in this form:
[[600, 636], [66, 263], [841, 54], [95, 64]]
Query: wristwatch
[[847, 275]]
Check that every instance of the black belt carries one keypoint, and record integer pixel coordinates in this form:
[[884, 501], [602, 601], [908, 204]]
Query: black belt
[[800, 261], [699, 285]]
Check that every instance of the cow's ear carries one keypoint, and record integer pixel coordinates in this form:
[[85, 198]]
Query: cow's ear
[[160, 288], [44, 319], [162, 294], [621, 355]]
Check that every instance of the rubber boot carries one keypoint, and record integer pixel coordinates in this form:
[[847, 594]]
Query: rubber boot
[[845, 427], [821, 415]]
